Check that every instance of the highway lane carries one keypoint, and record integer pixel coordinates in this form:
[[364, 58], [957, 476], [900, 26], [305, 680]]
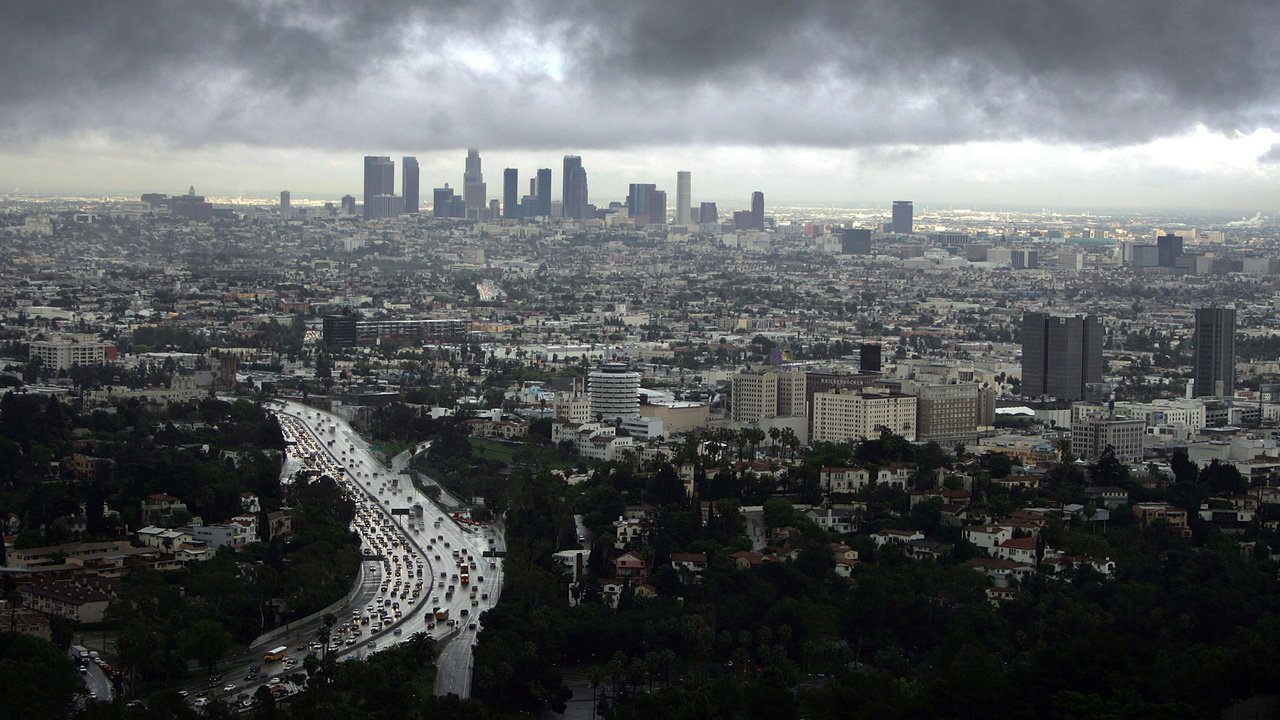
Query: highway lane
[[441, 542], [405, 554]]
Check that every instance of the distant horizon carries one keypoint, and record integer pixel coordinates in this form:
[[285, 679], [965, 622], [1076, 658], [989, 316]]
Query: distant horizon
[[302, 198]]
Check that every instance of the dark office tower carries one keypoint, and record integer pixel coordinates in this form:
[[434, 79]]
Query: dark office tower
[[1061, 354], [1168, 250], [473, 190], [903, 217], [573, 194], [510, 193], [638, 195], [339, 331], [1215, 347], [855, 241], [543, 192], [409, 184], [441, 199], [708, 214], [349, 204], [757, 210], [284, 202], [658, 207], [379, 179], [868, 358]]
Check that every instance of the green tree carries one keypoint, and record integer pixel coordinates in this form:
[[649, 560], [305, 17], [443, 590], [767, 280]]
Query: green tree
[[37, 680], [207, 642]]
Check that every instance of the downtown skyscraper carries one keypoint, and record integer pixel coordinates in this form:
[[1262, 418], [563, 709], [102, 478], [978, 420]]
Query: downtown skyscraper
[[684, 212], [903, 217], [542, 193], [379, 182], [473, 189], [573, 196], [1215, 349], [409, 183], [1061, 354], [510, 193]]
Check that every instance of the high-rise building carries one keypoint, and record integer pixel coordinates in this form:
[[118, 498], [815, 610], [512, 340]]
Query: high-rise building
[[284, 202], [349, 204], [903, 217], [473, 190], [844, 415], [708, 214], [1092, 434], [441, 201], [1215, 348], [379, 179], [1061, 354], [855, 241], [945, 413], [684, 214], [510, 193], [757, 210], [1168, 250], [614, 391], [639, 195], [409, 184], [658, 207], [542, 192], [573, 195]]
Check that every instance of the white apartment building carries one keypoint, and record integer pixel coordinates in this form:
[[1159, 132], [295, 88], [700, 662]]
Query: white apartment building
[[67, 353], [848, 415], [764, 393]]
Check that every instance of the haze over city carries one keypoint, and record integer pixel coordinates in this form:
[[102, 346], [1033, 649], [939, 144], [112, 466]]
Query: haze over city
[[1137, 105]]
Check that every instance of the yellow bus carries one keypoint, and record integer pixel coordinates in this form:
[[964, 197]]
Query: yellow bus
[[275, 654]]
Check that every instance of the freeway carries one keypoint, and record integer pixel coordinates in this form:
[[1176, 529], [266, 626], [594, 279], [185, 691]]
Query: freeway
[[457, 579], [416, 556]]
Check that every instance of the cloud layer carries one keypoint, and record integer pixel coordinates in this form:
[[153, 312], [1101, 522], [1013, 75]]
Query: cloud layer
[[595, 74]]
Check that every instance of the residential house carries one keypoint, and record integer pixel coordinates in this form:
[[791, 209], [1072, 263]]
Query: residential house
[[631, 564], [841, 521], [1108, 496], [843, 480], [1148, 513], [896, 537], [689, 566], [987, 537], [1021, 550], [160, 509]]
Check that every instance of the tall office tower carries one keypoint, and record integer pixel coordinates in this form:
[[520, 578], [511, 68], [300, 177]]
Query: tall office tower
[[441, 199], [658, 207], [855, 241], [757, 210], [684, 214], [510, 193], [1168, 250], [349, 204], [903, 217], [284, 202], [379, 179], [1061, 354], [1215, 347], [614, 391], [638, 196], [409, 184], [473, 192], [573, 195], [708, 214], [869, 357], [543, 192]]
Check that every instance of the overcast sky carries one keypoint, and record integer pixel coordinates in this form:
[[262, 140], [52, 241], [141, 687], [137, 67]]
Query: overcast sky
[[1136, 103]]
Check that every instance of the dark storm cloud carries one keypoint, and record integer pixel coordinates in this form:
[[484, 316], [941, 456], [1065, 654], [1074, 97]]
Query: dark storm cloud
[[338, 74]]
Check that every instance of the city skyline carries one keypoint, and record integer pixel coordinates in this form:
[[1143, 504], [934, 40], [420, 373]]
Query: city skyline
[[1142, 109]]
